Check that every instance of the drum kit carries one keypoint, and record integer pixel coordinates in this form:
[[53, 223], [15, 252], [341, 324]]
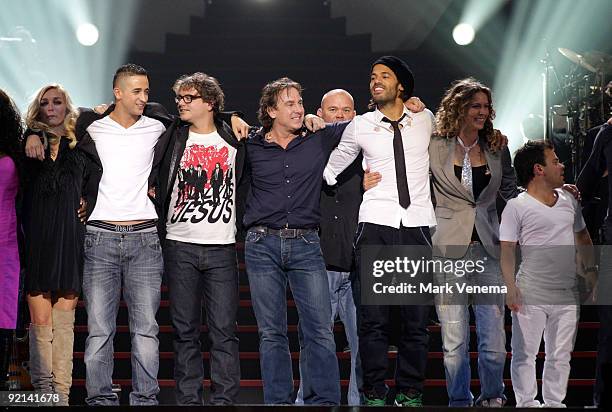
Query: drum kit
[[578, 100]]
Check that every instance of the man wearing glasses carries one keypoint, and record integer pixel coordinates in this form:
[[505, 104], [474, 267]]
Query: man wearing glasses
[[200, 235]]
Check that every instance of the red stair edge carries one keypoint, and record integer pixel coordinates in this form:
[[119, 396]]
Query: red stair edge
[[338, 327], [258, 383], [340, 355]]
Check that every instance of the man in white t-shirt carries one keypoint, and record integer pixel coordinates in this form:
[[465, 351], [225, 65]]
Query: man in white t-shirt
[[200, 236], [548, 224], [122, 248]]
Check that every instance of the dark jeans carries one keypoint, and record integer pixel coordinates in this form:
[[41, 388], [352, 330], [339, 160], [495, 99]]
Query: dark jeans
[[602, 392], [194, 272], [376, 323], [272, 262]]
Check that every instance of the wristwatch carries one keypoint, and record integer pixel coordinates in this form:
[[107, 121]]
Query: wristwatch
[[594, 268]]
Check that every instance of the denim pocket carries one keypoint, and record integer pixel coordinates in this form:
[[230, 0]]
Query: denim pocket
[[154, 244], [253, 236], [311, 238], [89, 241]]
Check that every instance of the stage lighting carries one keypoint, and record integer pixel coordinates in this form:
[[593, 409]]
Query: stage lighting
[[87, 34], [463, 34]]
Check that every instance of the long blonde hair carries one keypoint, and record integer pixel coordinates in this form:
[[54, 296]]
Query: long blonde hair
[[33, 115]]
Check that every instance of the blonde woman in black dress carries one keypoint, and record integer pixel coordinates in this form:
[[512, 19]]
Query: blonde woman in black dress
[[54, 239]]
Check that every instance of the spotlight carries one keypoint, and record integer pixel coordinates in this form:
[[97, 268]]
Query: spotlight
[[87, 34], [463, 34]]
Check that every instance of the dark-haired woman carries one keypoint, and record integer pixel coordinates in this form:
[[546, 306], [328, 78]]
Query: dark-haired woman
[[10, 133]]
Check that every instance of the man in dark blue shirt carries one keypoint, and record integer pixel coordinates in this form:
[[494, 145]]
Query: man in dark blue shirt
[[599, 164], [282, 245]]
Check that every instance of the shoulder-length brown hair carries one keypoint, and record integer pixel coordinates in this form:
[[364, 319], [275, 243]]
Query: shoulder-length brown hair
[[454, 107], [34, 122], [269, 98]]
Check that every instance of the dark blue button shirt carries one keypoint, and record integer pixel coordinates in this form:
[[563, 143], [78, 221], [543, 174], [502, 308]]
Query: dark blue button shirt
[[286, 183], [590, 176]]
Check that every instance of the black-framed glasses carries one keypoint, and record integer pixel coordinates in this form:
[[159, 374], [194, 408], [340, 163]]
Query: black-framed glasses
[[188, 98]]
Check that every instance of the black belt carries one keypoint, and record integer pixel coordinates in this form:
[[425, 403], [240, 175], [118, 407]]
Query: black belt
[[123, 228], [285, 232]]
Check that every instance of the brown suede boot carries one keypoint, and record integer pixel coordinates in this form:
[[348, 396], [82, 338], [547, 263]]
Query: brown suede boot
[[41, 356], [63, 342]]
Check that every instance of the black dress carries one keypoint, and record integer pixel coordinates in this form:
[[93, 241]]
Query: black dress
[[53, 233]]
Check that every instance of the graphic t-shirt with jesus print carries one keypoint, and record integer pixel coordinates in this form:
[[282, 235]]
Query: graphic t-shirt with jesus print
[[202, 207]]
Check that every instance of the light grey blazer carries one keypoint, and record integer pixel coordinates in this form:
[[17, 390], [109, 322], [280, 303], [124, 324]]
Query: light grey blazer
[[456, 209]]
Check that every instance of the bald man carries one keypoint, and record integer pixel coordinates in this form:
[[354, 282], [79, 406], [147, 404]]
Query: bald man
[[339, 213]]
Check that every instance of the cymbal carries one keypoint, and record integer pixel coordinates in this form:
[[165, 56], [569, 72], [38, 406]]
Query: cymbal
[[576, 58], [601, 61]]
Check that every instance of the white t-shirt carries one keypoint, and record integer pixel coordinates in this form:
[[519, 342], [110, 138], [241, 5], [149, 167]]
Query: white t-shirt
[[546, 236], [202, 206], [380, 205], [127, 158]]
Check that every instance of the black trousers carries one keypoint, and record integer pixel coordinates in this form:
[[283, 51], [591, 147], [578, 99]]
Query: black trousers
[[377, 323], [602, 392]]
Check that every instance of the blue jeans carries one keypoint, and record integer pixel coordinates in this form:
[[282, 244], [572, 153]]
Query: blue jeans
[[136, 259], [271, 263], [455, 322], [342, 305], [194, 272]]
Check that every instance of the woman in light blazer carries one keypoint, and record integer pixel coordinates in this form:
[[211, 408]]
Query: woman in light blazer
[[469, 169]]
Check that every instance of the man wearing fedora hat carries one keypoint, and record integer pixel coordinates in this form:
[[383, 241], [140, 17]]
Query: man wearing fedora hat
[[398, 211]]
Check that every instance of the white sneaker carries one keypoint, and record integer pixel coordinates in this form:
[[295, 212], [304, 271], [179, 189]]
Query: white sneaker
[[530, 404]]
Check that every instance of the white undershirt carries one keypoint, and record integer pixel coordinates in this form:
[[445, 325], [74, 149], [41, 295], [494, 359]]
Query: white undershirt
[[127, 158], [546, 236], [380, 205]]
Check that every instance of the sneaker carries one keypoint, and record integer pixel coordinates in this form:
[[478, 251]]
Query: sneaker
[[346, 349], [392, 349], [410, 398], [492, 403], [372, 399]]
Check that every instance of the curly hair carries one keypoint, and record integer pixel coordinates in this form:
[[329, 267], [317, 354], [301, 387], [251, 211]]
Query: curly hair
[[269, 98], [206, 85], [33, 116], [11, 127], [454, 106]]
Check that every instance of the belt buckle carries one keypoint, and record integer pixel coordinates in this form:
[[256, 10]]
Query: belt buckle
[[288, 233], [124, 228]]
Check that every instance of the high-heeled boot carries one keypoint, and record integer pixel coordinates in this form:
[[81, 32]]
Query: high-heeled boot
[[63, 342], [41, 363]]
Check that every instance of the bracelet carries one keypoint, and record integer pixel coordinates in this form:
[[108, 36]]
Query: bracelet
[[594, 268]]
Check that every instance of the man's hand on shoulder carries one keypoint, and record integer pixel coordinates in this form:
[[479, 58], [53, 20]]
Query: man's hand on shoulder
[[573, 190], [34, 148], [314, 123], [240, 127], [414, 104], [101, 108]]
